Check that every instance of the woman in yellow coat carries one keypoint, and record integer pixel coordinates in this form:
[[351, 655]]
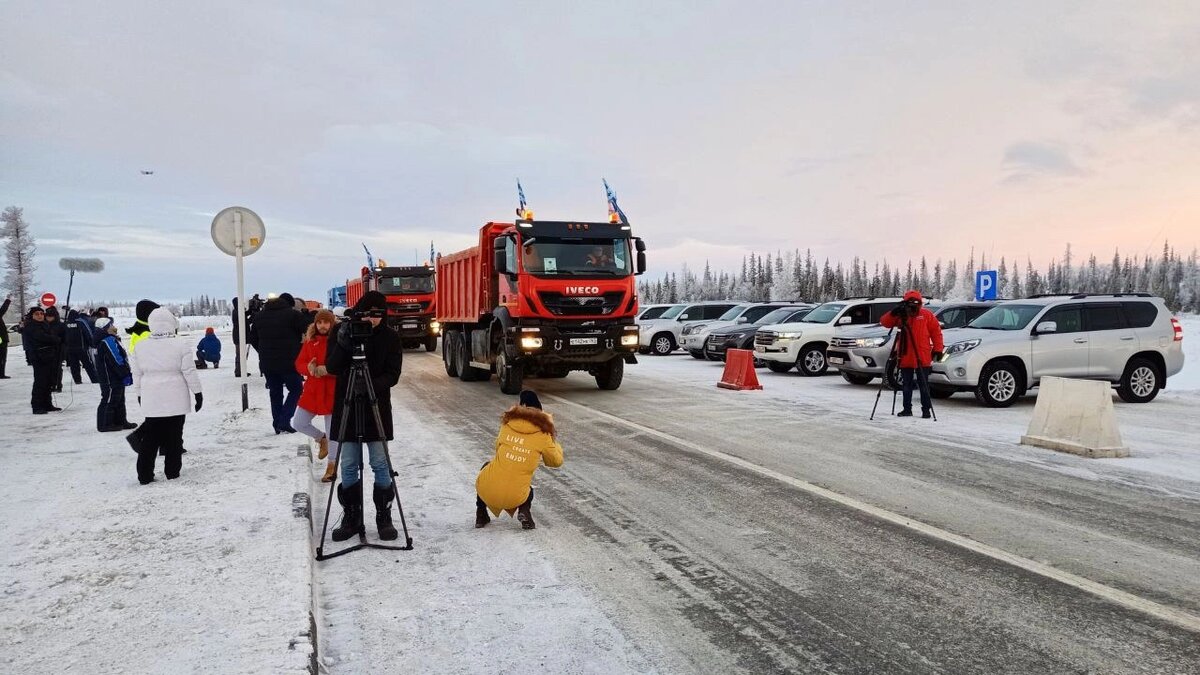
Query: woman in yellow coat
[[526, 437]]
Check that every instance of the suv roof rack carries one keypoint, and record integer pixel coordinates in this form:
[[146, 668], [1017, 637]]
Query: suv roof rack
[[1080, 296], [859, 297]]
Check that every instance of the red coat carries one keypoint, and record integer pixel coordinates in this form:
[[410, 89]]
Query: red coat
[[926, 337], [317, 397]]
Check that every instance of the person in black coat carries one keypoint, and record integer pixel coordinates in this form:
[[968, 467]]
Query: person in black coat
[[56, 326], [79, 346], [44, 348], [277, 334], [4, 339], [384, 358]]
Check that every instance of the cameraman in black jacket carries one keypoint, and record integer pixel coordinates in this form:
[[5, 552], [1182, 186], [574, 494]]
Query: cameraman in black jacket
[[384, 354]]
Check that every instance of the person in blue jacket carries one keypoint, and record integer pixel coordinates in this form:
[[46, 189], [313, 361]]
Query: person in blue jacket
[[208, 349], [112, 371]]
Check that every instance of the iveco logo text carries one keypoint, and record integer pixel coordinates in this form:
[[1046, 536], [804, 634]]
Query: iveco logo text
[[583, 290]]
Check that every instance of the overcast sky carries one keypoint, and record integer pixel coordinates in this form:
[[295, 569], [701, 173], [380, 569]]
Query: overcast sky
[[854, 128]]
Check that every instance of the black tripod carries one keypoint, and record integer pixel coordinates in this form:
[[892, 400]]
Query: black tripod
[[359, 392], [893, 361]]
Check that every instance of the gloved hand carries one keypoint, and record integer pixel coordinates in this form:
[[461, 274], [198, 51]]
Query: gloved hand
[[899, 311], [312, 366], [937, 356], [321, 371], [199, 402]]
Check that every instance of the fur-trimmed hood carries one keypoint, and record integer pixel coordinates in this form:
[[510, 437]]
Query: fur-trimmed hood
[[540, 420]]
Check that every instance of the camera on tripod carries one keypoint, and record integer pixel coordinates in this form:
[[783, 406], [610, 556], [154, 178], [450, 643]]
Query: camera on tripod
[[358, 327]]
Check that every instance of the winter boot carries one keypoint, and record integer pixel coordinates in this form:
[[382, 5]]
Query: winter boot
[[323, 444], [383, 513], [904, 413], [201, 365], [352, 512], [330, 467], [926, 413], [481, 517], [525, 518]]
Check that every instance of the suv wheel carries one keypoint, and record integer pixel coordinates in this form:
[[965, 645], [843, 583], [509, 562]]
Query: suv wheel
[[999, 385], [856, 378], [779, 366], [696, 354], [891, 375], [811, 361], [938, 392], [1140, 383], [662, 344]]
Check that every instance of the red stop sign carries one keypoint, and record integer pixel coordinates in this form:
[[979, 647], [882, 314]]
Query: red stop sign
[[48, 299]]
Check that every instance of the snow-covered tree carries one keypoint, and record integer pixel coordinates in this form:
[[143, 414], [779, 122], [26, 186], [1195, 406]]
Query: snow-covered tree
[[19, 251], [784, 286]]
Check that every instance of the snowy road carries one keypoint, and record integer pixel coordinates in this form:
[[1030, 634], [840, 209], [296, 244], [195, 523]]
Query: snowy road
[[675, 538]]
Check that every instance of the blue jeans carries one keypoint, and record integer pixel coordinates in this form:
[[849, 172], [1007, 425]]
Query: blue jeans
[[351, 454], [282, 410]]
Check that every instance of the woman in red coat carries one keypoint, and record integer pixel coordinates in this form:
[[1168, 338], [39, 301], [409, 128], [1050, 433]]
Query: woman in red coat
[[317, 395], [919, 342]]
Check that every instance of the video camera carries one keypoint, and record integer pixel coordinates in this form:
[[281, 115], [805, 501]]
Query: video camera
[[359, 329], [906, 308]]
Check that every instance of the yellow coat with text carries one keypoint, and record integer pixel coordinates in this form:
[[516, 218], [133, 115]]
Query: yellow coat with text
[[526, 438]]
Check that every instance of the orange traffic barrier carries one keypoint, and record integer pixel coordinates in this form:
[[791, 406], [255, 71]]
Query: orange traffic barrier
[[739, 372]]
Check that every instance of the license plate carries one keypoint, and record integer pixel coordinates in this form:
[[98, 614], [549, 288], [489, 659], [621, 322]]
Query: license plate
[[584, 341], [836, 360], [409, 325]]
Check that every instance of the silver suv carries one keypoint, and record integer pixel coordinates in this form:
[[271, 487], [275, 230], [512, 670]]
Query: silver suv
[[861, 355], [1128, 339], [661, 336]]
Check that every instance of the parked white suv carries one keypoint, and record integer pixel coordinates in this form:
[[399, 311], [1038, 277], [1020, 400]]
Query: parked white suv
[[661, 336], [1129, 339], [693, 336], [802, 344]]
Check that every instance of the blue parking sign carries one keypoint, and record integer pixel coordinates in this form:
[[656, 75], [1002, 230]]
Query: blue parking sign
[[985, 284]]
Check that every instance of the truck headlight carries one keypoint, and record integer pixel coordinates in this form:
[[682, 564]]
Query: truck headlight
[[531, 343], [435, 328], [630, 337], [870, 342], [961, 348]]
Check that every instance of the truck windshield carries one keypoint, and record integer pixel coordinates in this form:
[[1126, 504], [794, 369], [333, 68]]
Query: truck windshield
[[1006, 317], [576, 257], [395, 285], [824, 314]]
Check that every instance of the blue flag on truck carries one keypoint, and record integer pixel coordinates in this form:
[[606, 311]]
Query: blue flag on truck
[[432, 257], [521, 210], [370, 258], [615, 214]]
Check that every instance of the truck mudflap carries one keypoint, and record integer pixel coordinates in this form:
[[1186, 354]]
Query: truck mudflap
[[583, 345]]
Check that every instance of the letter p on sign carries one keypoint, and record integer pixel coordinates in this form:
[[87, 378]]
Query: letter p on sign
[[985, 284]]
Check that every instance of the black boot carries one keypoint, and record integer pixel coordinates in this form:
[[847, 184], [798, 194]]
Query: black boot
[[525, 518], [926, 413], [352, 512], [383, 513], [907, 412], [481, 516]]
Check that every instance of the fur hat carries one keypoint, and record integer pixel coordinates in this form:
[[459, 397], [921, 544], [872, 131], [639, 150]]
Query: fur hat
[[371, 300], [325, 315]]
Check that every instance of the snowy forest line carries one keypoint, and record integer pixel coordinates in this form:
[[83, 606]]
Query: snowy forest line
[[795, 276]]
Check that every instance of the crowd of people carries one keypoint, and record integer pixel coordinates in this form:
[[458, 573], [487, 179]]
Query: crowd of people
[[305, 358]]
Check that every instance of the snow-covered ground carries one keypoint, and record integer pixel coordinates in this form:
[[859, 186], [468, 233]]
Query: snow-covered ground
[[206, 573]]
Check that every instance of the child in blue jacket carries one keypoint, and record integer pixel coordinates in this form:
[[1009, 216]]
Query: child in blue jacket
[[112, 371], [208, 349]]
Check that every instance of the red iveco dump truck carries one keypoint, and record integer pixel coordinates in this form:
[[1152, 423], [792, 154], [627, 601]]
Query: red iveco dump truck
[[540, 299], [410, 301]]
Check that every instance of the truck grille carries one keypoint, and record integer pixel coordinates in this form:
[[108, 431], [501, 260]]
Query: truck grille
[[407, 307], [764, 339], [843, 342], [571, 305]]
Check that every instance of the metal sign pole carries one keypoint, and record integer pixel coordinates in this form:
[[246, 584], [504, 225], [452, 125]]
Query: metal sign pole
[[243, 352]]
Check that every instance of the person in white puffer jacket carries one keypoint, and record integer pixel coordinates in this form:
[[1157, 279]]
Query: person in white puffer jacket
[[166, 386]]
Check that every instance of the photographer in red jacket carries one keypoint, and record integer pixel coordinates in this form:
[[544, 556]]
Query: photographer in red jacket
[[919, 342]]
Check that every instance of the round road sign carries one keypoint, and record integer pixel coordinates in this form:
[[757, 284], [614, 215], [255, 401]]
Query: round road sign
[[48, 299], [224, 230]]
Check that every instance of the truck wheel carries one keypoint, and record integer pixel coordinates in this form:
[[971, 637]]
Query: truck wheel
[[856, 378], [811, 361], [662, 344], [431, 343], [467, 372], [999, 385], [1140, 382], [609, 376], [511, 375], [450, 353], [779, 366]]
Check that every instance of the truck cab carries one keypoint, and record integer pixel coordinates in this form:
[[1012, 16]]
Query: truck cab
[[542, 298], [410, 293]]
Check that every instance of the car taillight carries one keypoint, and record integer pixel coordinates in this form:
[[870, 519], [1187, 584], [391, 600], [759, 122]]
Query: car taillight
[[1178, 327]]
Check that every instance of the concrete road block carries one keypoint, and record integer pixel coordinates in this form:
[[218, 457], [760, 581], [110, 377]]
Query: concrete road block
[[1075, 416]]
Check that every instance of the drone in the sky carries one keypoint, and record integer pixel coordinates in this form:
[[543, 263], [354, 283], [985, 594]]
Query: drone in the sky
[[147, 173]]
